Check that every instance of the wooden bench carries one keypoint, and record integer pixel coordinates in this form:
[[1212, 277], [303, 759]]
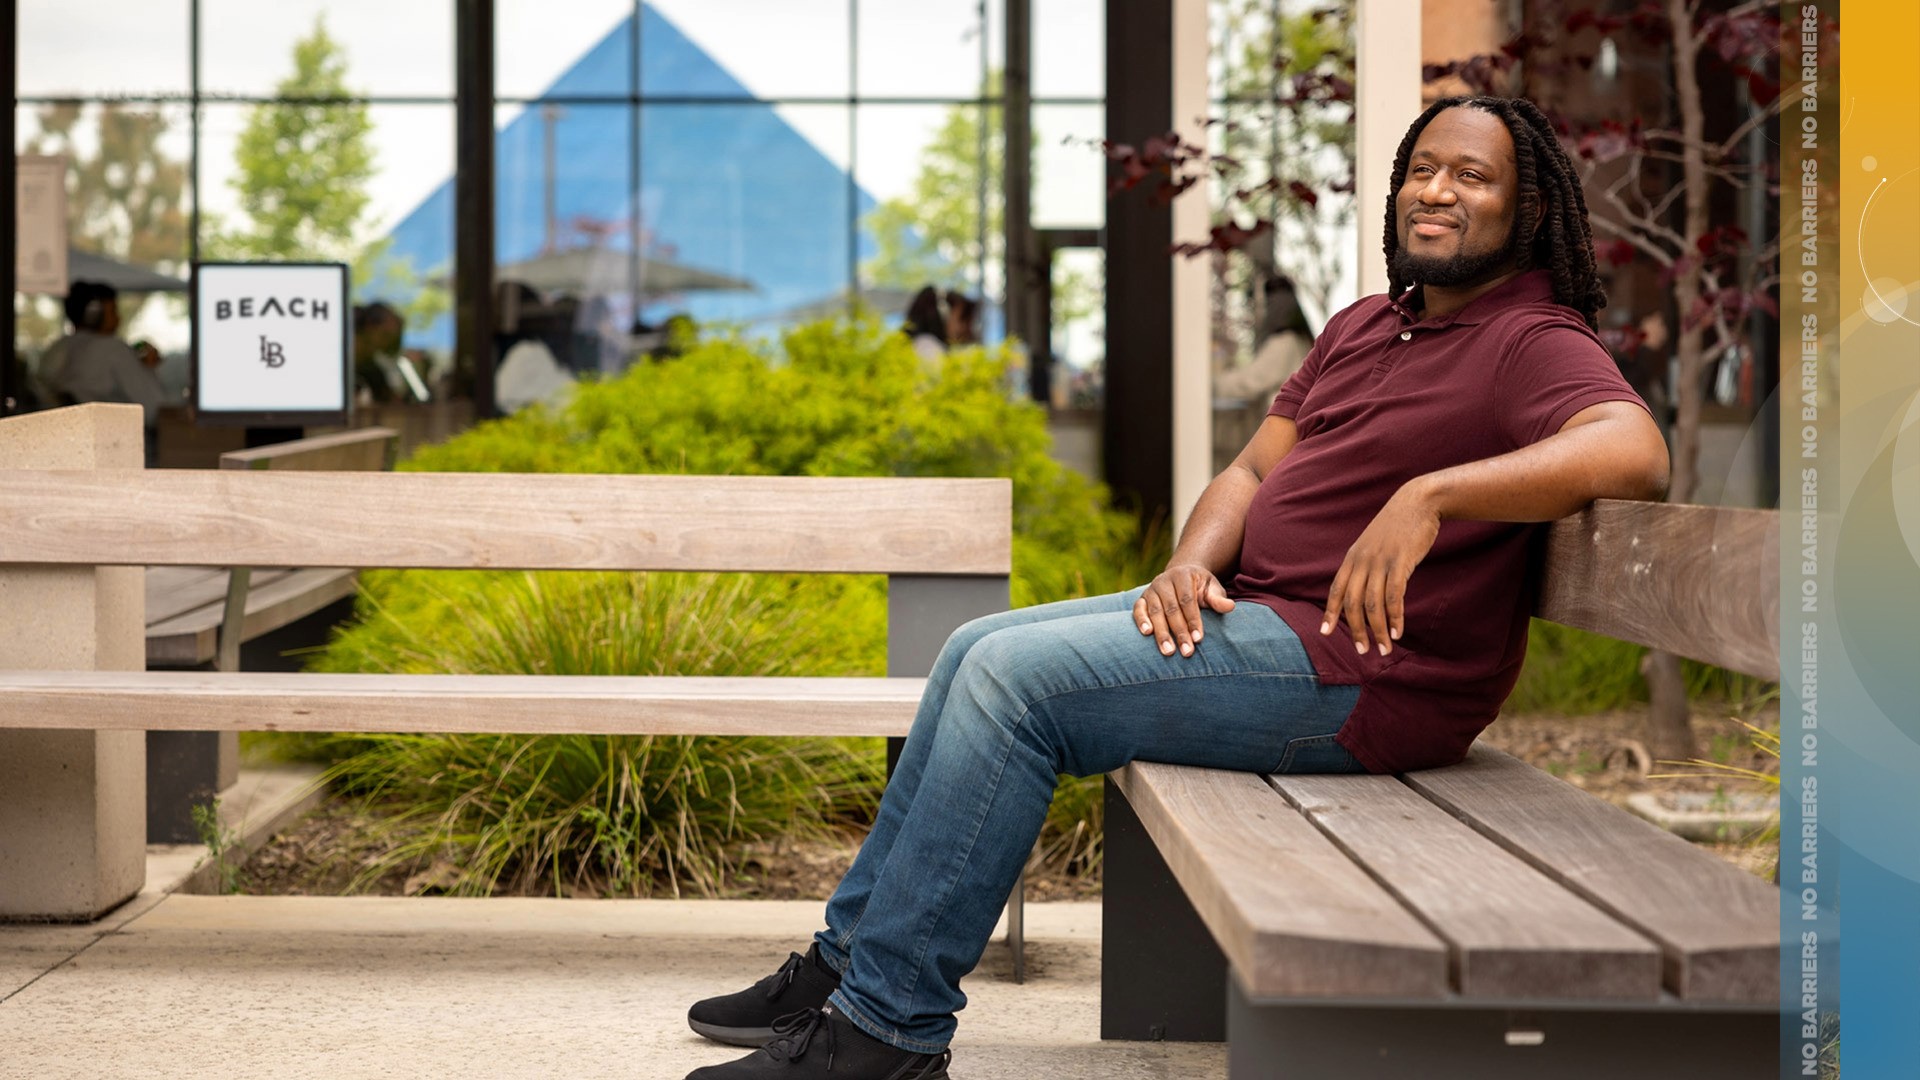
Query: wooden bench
[[1484, 920], [201, 615], [944, 544]]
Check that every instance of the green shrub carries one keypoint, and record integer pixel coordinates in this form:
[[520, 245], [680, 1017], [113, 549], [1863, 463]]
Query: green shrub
[[617, 814], [609, 815]]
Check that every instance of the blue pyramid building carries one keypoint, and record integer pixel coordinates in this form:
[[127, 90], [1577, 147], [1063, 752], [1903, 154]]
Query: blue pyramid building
[[729, 189]]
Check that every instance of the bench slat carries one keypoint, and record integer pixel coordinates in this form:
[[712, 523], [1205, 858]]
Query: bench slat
[[173, 591], [524, 704], [1718, 926], [1293, 915], [362, 449], [1513, 932], [200, 517], [275, 599], [1712, 593]]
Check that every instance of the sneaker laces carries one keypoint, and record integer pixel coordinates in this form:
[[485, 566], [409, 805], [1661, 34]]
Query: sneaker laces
[[793, 1034], [780, 980]]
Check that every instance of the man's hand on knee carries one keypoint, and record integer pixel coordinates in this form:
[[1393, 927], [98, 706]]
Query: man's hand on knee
[[1169, 611]]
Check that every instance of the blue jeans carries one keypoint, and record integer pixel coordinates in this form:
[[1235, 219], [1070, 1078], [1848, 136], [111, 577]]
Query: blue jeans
[[1014, 700]]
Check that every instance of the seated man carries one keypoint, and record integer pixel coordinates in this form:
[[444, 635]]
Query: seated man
[[92, 364], [1351, 595]]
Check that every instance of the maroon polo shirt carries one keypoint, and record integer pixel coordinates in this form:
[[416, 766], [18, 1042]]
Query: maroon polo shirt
[[1382, 398]]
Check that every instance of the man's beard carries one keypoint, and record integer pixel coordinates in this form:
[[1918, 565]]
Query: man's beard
[[1457, 270]]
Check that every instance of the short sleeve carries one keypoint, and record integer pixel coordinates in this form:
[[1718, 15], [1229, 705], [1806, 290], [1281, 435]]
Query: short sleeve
[[1548, 374], [1293, 392]]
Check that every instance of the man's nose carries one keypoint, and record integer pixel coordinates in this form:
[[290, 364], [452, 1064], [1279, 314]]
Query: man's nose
[[1437, 189]]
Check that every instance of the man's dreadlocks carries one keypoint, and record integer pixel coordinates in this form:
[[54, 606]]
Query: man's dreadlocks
[[1563, 242]]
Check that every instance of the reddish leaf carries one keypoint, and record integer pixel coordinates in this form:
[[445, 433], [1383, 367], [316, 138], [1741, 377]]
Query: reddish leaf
[[1685, 264], [1622, 339], [1303, 193]]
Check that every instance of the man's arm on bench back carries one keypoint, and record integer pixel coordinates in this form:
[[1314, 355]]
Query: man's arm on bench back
[[1612, 450]]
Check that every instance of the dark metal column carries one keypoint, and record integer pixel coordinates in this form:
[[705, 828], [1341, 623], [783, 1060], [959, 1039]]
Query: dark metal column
[[923, 610], [1137, 431], [1024, 274], [1162, 978], [473, 197], [10, 21]]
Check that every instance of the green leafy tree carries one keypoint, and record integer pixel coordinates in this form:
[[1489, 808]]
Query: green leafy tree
[[304, 163], [932, 234], [125, 195], [303, 166]]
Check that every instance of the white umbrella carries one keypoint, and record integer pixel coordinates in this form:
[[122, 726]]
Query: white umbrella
[[124, 277], [596, 271]]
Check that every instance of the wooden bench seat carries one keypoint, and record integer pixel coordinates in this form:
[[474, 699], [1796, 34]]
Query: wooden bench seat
[[1489, 880], [187, 607], [1480, 921]]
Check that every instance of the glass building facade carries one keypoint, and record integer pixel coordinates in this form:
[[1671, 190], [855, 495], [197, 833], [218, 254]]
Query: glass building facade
[[750, 163]]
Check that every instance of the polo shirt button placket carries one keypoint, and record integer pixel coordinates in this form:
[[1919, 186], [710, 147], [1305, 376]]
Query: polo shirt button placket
[[1406, 335]]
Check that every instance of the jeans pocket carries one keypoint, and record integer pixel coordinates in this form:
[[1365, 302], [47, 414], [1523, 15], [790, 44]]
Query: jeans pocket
[[1317, 754]]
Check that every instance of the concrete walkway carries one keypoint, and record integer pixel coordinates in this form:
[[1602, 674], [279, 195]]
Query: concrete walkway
[[194, 986]]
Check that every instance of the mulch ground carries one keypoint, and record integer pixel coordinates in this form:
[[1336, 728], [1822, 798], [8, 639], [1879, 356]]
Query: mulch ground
[[330, 851]]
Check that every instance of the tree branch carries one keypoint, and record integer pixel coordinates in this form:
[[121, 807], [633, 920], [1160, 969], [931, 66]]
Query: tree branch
[[1648, 225], [1775, 109], [1638, 240]]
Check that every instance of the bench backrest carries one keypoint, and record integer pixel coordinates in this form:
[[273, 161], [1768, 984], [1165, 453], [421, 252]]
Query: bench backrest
[[946, 544], [506, 521], [369, 449], [1699, 581]]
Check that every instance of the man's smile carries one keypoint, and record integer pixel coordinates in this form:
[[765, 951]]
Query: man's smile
[[1433, 225]]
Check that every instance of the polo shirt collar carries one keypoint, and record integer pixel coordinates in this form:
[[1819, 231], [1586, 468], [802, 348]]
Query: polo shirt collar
[[1531, 287]]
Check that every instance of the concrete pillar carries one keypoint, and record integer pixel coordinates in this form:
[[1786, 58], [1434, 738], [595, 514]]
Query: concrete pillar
[[1192, 277], [1387, 47], [72, 803]]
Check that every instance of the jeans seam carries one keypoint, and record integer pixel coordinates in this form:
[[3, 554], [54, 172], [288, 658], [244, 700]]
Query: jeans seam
[[1288, 752]]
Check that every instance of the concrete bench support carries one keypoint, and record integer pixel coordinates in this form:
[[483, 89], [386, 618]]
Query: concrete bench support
[[72, 803]]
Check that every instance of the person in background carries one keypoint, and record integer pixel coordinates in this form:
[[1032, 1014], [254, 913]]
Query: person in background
[[1280, 345], [376, 347], [530, 370], [963, 320], [926, 325], [91, 364]]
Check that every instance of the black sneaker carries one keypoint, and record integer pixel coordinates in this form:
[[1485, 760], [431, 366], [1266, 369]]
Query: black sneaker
[[746, 1018], [821, 1042]]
